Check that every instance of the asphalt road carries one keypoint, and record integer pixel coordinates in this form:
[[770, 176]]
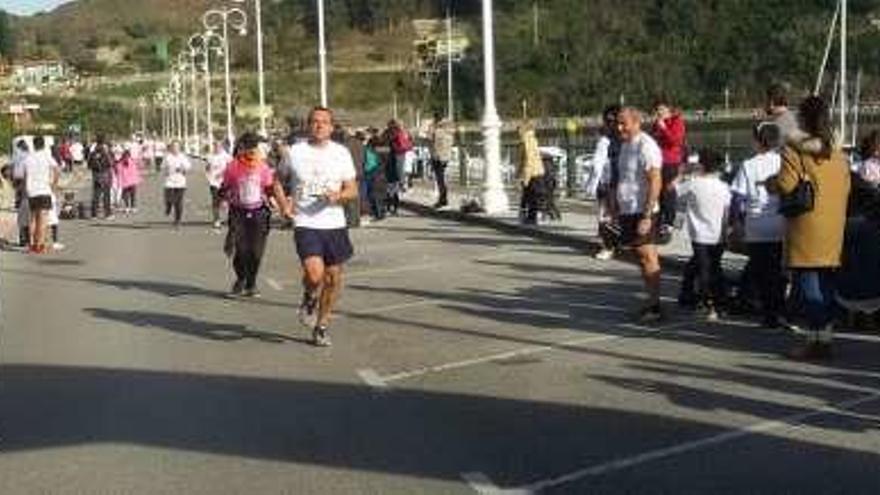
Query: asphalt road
[[464, 361]]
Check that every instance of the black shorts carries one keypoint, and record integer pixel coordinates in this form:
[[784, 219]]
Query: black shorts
[[629, 230], [38, 203], [333, 246]]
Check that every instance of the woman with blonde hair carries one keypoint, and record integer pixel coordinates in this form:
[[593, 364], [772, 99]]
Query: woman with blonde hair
[[530, 174]]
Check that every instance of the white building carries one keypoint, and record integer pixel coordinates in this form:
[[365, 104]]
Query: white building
[[38, 74]]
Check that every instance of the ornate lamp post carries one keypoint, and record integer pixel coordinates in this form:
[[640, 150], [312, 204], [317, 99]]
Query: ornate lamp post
[[494, 198], [261, 81], [322, 54], [222, 19], [204, 45]]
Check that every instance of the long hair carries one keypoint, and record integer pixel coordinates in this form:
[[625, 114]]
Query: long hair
[[869, 145], [816, 122]]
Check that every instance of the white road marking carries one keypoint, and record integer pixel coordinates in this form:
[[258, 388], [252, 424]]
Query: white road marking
[[271, 282], [482, 484], [524, 351], [686, 447], [371, 378]]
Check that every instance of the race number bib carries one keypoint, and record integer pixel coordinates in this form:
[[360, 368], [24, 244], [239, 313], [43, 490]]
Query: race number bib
[[250, 191]]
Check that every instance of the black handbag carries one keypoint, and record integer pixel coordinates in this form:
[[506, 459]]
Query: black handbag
[[801, 199]]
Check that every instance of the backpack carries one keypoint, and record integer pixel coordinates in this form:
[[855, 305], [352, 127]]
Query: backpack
[[401, 142], [99, 160]]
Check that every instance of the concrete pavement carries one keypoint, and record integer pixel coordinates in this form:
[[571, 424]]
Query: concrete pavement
[[465, 360]]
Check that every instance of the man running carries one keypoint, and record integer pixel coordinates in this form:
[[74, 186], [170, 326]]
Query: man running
[[322, 179]]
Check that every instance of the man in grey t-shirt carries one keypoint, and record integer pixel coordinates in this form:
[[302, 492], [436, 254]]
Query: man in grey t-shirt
[[636, 195]]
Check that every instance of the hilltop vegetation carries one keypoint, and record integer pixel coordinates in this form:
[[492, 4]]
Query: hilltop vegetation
[[588, 52]]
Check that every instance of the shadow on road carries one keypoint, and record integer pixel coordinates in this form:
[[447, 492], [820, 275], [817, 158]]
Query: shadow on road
[[415, 433], [189, 326]]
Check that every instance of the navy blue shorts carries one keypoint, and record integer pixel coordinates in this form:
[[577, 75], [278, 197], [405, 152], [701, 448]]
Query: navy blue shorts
[[333, 246]]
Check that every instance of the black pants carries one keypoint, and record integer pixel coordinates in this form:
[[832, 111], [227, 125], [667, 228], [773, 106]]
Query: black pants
[[250, 229], [532, 200], [101, 196], [174, 203], [216, 201], [375, 197], [767, 276], [439, 169], [704, 270], [129, 197], [668, 197]]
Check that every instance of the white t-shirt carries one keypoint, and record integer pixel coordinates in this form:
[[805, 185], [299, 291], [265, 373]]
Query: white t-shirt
[[216, 167], [18, 157], [314, 171], [77, 152], [763, 221], [38, 169], [707, 199], [601, 161], [176, 165], [637, 157]]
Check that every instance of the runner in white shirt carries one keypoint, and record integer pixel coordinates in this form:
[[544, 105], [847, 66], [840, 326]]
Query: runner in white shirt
[[214, 169], [637, 194], [322, 179], [77, 153], [175, 166], [758, 207], [41, 179]]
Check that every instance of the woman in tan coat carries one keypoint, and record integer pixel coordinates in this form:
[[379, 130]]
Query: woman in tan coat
[[814, 240], [530, 174]]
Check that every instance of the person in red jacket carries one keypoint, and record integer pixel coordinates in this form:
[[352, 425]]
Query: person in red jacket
[[669, 132]]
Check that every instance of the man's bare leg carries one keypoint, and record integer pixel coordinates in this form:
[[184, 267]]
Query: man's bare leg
[[649, 262], [330, 293], [313, 279]]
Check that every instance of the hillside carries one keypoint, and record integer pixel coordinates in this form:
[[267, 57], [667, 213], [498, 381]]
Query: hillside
[[585, 54]]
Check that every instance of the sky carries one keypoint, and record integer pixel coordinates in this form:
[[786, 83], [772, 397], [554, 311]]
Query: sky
[[28, 7]]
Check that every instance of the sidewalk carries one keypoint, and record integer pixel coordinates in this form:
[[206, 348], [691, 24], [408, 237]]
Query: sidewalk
[[577, 229]]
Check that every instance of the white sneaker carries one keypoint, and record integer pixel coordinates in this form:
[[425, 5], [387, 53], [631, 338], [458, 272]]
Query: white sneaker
[[57, 246], [218, 225], [605, 255]]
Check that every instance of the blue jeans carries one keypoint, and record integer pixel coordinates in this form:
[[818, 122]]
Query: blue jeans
[[816, 289]]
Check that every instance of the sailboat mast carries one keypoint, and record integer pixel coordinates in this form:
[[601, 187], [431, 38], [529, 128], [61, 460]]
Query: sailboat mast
[[843, 85]]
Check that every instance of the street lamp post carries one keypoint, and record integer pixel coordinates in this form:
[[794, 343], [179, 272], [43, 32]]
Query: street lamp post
[[193, 52], [261, 82], [142, 104], [201, 43], [223, 19], [176, 106], [495, 200], [184, 111], [322, 54]]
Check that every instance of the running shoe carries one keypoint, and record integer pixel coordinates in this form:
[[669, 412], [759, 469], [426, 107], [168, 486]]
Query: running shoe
[[605, 255], [237, 289], [650, 314], [308, 310], [253, 293], [320, 337]]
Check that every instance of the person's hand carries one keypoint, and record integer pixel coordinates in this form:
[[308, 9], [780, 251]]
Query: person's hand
[[644, 227], [333, 197]]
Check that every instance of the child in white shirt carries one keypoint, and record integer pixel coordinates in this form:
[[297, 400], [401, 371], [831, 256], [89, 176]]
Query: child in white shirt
[[706, 199]]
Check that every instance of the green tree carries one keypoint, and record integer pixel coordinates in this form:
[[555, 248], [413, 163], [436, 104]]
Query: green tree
[[7, 39]]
